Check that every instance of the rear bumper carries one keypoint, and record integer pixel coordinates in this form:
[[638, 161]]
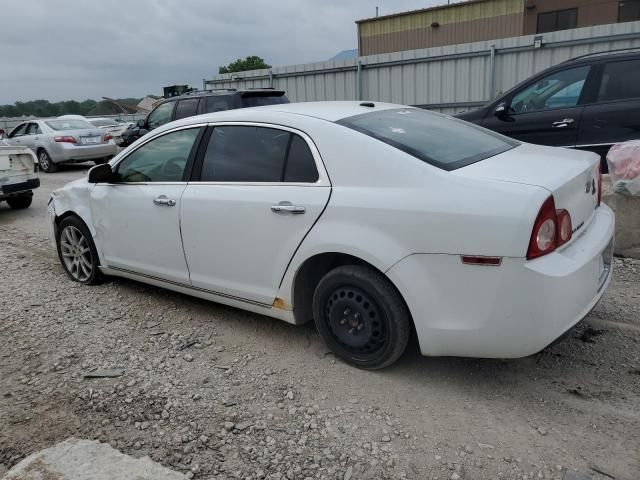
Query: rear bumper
[[67, 152], [510, 311], [11, 189]]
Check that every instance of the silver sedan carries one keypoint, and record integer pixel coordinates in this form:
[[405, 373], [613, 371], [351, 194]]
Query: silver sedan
[[63, 141]]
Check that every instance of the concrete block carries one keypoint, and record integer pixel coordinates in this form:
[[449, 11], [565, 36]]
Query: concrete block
[[76, 459], [627, 208]]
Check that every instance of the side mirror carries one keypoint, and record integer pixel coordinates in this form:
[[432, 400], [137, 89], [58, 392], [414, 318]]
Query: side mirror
[[141, 123], [101, 173], [501, 110]]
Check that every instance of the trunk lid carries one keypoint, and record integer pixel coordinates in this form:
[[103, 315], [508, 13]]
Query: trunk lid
[[87, 136], [15, 161], [570, 175]]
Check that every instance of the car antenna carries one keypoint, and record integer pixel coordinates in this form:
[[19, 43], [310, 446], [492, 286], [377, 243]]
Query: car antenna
[[367, 104]]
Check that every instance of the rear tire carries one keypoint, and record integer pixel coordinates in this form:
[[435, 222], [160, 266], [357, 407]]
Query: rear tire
[[46, 164], [21, 201], [361, 317], [77, 252]]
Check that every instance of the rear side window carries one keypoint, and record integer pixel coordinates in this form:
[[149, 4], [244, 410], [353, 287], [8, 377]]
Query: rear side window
[[187, 108], [245, 154], [218, 104], [439, 140], [301, 167], [34, 129], [620, 80], [257, 154]]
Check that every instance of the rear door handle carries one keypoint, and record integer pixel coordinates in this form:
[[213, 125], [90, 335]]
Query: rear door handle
[[287, 207], [563, 123], [163, 200]]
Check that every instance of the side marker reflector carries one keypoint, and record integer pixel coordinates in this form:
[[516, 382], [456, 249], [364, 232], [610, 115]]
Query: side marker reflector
[[483, 261]]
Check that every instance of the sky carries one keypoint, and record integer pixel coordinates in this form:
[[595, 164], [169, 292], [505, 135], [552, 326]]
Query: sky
[[79, 49]]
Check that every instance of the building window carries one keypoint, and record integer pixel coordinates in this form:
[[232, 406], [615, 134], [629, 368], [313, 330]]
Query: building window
[[629, 10], [557, 20]]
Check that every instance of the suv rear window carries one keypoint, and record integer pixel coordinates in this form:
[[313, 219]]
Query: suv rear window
[[439, 140], [259, 101]]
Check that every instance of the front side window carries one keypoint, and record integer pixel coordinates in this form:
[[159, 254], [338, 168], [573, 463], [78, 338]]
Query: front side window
[[160, 115], [557, 90], [187, 108], [163, 159], [557, 20], [620, 80], [18, 131], [441, 141], [245, 154]]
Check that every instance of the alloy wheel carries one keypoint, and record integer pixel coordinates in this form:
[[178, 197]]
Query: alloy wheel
[[44, 161], [76, 253]]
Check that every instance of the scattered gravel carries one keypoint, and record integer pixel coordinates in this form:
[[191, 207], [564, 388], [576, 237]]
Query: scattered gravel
[[215, 392]]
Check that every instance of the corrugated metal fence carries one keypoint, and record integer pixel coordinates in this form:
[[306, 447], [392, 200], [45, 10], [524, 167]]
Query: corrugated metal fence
[[446, 79]]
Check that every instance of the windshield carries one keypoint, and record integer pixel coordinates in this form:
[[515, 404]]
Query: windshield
[[68, 124], [439, 140], [102, 123]]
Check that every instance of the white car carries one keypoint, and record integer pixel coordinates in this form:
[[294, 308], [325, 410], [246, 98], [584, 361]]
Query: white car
[[18, 176], [369, 219]]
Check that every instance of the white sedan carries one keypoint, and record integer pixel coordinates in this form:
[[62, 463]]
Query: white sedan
[[372, 220]]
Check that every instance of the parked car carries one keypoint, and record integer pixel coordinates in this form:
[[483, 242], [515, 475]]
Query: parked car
[[63, 141], [111, 126], [196, 103], [588, 103], [18, 176], [369, 219]]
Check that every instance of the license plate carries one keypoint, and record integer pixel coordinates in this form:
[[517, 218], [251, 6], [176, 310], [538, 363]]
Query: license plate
[[90, 140]]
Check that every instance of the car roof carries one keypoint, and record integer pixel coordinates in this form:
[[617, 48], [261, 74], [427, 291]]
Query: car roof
[[331, 111], [603, 56]]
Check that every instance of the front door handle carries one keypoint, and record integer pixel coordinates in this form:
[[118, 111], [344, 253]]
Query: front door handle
[[163, 200], [563, 123], [287, 207]]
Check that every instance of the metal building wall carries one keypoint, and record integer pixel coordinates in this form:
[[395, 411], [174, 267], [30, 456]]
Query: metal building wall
[[470, 21], [446, 79]]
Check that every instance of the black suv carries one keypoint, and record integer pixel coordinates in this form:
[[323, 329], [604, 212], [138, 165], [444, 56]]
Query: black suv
[[589, 102], [196, 103]]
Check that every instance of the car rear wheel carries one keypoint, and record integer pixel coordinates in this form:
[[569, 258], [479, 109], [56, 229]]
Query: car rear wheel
[[361, 316], [45, 162], [77, 252], [21, 201]]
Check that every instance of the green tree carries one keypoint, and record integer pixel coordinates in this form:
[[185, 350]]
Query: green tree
[[252, 62]]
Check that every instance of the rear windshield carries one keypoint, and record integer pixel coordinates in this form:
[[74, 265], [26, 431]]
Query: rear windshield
[[68, 124], [259, 101], [102, 123], [439, 140]]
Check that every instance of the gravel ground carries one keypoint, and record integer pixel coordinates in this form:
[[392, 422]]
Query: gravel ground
[[216, 392]]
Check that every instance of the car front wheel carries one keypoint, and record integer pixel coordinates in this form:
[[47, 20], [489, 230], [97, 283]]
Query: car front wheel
[[361, 316], [77, 251]]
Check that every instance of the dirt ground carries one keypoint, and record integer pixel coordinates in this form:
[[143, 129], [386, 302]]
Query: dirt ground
[[216, 392]]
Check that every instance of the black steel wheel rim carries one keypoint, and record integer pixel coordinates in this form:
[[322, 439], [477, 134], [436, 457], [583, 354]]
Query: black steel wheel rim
[[355, 320]]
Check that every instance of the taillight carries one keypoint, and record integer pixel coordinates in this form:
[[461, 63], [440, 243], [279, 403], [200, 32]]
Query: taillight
[[564, 227], [551, 229], [107, 137], [65, 139]]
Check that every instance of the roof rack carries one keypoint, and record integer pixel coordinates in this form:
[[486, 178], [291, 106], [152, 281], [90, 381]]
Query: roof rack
[[208, 90], [593, 54]]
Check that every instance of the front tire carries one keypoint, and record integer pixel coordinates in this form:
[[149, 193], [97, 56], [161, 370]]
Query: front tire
[[361, 317], [20, 202], [46, 164], [77, 252]]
